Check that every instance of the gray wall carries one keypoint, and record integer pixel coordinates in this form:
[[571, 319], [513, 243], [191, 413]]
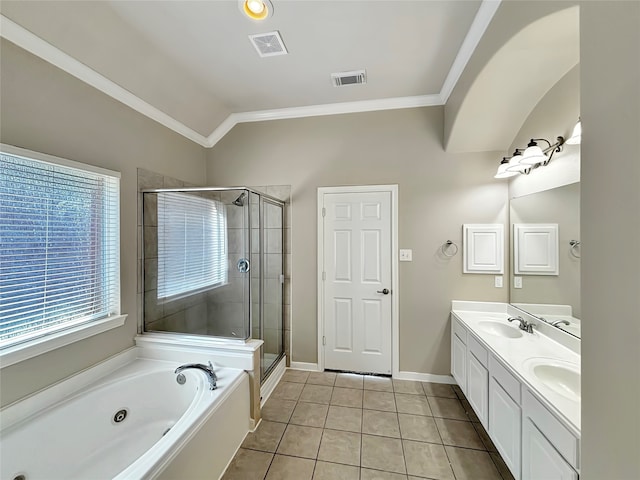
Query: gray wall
[[46, 110], [438, 192], [610, 110]]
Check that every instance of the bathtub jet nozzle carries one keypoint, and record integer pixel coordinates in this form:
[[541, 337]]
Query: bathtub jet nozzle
[[207, 369]]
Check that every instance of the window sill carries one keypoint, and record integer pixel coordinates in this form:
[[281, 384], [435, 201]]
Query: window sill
[[33, 348]]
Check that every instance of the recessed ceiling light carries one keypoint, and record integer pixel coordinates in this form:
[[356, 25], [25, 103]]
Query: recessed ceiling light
[[256, 9]]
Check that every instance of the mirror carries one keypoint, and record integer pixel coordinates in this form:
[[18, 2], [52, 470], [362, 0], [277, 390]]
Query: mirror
[[551, 296]]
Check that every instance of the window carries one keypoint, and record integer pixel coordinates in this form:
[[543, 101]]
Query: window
[[192, 245], [59, 246]]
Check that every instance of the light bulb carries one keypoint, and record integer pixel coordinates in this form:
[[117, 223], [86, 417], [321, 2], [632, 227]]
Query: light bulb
[[255, 6]]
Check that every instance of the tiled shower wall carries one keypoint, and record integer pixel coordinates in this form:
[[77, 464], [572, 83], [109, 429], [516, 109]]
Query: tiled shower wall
[[193, 314]]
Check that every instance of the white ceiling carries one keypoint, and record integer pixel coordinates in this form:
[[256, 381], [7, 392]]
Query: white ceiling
[[191, 66]]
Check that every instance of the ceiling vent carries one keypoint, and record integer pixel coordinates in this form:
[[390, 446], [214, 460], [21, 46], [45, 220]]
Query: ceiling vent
[[341, 79], [268, 44]]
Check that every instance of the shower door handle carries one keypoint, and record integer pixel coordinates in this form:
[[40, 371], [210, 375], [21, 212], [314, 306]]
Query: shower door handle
[[243, 265]]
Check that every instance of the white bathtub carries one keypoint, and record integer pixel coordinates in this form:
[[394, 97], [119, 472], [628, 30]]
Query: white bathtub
[[170, 430]]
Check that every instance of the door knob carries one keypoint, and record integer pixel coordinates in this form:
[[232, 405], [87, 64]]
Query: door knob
[[384, 291]]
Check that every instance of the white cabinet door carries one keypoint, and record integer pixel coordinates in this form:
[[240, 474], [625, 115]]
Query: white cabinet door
[[459, 361], [505, 426], [357, 289], [540, 461], [478, 388]]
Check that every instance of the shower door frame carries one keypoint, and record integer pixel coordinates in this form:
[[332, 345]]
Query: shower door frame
[[140, 323]]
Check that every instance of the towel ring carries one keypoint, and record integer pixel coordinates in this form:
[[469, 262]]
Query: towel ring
[[573, 250], [446, 245]]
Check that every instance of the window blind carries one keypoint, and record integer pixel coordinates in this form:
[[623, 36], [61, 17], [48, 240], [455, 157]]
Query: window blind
[[59, 247], [192, 244]]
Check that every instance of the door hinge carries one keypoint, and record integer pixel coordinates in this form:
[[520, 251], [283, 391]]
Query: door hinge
[[324, 276], [324, 211], [324, 340]]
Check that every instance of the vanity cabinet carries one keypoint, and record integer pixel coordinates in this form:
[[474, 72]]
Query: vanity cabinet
[[478, 380], [550, 450], [459, 353], [505, 415], [532, 441]]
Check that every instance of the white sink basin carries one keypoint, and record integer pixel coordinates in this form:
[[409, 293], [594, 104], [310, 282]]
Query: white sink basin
[[499, 329], [563, 379]]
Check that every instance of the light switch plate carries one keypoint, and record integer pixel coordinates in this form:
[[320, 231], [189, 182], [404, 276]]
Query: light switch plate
[[406, 255], [517, 282], [498, 281]]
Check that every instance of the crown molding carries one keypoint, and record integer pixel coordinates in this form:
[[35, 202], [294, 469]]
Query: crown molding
[[322, 110], [30, 42], [479, 25], [44, 50]]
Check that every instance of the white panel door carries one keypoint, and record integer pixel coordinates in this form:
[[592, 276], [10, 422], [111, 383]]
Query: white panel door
[[357, 281]]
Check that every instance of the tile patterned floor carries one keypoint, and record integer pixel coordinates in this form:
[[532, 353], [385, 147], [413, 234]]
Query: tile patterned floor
[[328, 426]]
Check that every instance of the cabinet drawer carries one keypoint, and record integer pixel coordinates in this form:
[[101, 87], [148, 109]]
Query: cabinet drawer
[[509, 383], [560, 437], [478, 350], [458, 329]]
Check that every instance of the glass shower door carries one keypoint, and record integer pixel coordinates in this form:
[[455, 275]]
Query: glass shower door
[[273, 259]]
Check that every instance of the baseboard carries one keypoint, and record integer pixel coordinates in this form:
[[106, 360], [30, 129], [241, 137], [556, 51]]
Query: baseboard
[[312, 367], [425, 377], [266, 389]]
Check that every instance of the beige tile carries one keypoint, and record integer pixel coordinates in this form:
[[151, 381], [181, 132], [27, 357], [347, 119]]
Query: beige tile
[[266, 437], [290, 468], [349, 380], [427, 460], [277, 410], [472, 464], [287, 391], [438, 390], [367, 474], [383, 453], [335, 471], [309, 414], [458, 391], [501, 466], [471, 414], [484, 436], [459, 433], [407, 386], [340, 447], [381, 384], [322, 378], [375, 422], [379, 401], [413, 404], [344, 418], [248, 465], [418, 427], [347, 397], [447, 408], [300, 441], [316, 394], [298, 376]]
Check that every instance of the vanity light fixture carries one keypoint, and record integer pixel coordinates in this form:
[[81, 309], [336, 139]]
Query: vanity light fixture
[[576, 134], [523, 161], [256, 9], [503, 171]]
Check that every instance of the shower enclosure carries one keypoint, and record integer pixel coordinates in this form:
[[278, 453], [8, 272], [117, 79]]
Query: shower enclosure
[[214, 266]]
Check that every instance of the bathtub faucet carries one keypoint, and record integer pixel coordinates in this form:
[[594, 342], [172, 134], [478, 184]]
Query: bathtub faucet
[[208, 370]]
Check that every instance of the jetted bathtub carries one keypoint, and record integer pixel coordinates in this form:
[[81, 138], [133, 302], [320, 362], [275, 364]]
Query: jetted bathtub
[[136, 422]]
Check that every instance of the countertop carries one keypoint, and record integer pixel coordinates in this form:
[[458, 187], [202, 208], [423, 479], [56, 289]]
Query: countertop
[[517, 354]]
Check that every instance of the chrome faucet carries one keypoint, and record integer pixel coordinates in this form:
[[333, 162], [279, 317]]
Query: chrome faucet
[[524, 325], [558, 322], [208, 370]]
